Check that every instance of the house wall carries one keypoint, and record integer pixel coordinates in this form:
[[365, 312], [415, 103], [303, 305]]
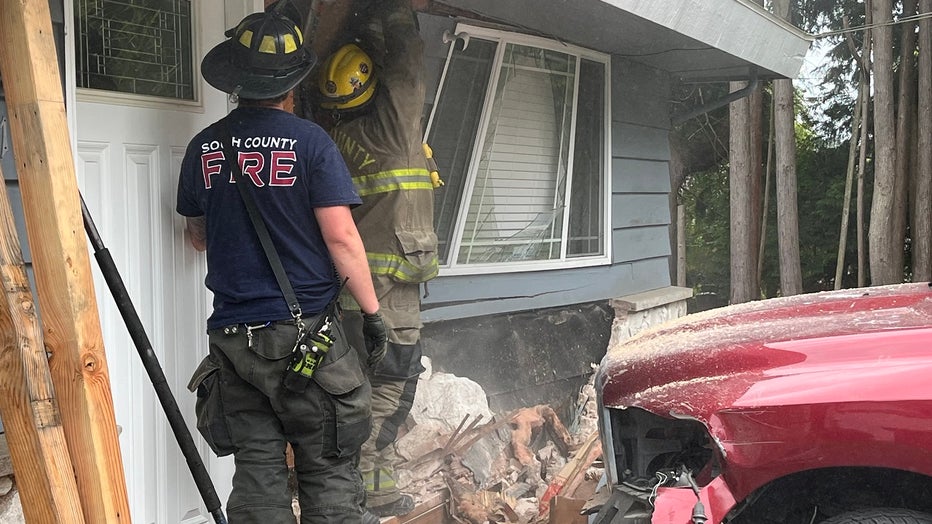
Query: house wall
[[530, 337]]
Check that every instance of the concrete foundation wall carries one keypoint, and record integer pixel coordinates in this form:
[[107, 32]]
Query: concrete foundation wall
[[544, 356]]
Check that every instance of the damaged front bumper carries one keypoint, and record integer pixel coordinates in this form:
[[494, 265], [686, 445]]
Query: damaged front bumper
[[666, 505], [652, 464]]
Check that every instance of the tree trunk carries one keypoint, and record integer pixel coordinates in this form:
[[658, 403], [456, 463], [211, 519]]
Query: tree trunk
[[756, 149], [742, 260], [882, 243], [857, 122], [677, 176], [865, 90], [791, 279], [765, 206], [849, 183], [922, 210], [904, 138], [756, 130]]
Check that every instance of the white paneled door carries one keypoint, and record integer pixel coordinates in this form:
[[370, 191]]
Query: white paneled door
[[137, 99]]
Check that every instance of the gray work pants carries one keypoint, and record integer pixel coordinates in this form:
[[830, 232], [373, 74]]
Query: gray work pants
[[326, 425]]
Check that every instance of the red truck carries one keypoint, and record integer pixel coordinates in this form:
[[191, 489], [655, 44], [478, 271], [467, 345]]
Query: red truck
[[807, 409]]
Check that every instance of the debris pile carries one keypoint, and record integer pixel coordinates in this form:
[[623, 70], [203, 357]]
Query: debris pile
[[496, 468], [11, 510]]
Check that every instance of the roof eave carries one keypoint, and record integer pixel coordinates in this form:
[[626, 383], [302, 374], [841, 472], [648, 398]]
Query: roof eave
[[754, 35]]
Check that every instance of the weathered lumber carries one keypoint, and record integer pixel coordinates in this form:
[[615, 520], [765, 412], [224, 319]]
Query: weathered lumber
[[31, 419], [571, 475], [71, 325]]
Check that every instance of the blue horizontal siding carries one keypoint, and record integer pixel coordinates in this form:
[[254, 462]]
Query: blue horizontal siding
[[477, 295], [640, 205], [642, 94], [638, 210], [631, 175], [640, 243], [640, 142]]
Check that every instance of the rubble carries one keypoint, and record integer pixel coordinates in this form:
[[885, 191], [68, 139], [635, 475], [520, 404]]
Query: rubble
[[526, 421], [443, 400], [11, 511], [496, 468], [11, 508], [476, 466]]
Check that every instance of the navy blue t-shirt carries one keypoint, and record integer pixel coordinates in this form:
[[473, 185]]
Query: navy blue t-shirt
[[294, 167]]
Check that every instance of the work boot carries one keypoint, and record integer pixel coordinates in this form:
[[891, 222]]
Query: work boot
[[370, 518], [400, 506]]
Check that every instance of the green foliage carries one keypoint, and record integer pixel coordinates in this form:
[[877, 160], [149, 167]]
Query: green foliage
[[820, 182], [705, 196], [821, 187], [823, 135], [840, 76]]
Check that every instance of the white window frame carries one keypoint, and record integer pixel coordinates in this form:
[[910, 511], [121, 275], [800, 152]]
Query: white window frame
[[451, 268]]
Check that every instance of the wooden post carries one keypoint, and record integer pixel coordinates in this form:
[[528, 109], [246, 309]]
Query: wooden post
[[29, 65], [31, 420]]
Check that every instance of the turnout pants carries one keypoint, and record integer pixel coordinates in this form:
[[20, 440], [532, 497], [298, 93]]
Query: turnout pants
[[326, 425], [394, 383]]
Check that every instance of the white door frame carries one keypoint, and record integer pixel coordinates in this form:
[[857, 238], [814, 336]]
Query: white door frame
[[234, 10]]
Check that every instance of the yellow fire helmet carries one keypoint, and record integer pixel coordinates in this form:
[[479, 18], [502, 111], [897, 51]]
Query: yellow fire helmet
[[347, 79]]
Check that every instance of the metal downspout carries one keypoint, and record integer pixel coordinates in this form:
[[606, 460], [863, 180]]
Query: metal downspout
[[715, 104]]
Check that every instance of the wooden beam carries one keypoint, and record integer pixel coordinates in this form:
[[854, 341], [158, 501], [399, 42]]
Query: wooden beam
[[71, 325], [31, 419]]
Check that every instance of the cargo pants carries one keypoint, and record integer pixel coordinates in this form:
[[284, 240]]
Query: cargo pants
[[326, 425]]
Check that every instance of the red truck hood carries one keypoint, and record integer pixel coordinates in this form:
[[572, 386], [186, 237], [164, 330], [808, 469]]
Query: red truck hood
[[779, 352]]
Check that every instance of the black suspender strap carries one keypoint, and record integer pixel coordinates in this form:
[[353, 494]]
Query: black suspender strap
[[258, 223]]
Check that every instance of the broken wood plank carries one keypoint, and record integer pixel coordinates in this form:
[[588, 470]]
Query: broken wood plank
[[32, 422], [572, 473], [45, 167], [566, 511]]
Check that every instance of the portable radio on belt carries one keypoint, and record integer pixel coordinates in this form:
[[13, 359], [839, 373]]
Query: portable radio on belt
[[307, 355]]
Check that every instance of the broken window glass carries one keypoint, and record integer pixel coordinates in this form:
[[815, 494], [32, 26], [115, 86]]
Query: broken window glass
[[519, 134]]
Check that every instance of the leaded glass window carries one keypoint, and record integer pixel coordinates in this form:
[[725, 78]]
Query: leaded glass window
[[141, 47]]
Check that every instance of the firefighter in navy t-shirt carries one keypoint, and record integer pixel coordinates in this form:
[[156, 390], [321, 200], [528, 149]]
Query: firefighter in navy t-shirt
[[303, 193]]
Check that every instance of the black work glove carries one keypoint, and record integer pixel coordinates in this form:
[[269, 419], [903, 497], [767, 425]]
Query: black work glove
[[373, 331]]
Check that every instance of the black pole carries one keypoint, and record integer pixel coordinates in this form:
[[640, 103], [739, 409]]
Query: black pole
[[151, 362]]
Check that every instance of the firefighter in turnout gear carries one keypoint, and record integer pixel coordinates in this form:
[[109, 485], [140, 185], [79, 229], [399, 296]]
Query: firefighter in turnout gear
[[371, 98]]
